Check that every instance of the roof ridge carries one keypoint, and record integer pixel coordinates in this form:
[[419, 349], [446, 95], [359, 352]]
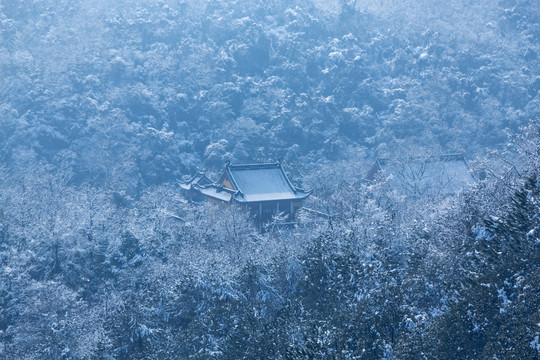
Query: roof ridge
[[254, 165], [430, 158]]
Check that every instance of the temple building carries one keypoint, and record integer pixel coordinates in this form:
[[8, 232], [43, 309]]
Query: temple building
[[432, 176], [263, 189]]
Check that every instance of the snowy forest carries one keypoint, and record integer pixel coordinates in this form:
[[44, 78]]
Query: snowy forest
[[105, 106]]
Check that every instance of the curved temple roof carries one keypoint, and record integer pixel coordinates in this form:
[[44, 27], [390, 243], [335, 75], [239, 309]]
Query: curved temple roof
[[248, 183], [434, 175], [262, 182]]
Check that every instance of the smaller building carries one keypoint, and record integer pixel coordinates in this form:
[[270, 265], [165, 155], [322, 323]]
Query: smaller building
[[432, 176], [263, 189], [191, 189]]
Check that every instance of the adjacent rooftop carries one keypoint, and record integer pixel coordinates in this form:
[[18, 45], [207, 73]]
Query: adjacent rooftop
[[435, 175]]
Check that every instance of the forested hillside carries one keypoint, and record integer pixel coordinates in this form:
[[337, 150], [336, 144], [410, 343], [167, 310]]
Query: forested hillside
[[111, 91], [104, 105]]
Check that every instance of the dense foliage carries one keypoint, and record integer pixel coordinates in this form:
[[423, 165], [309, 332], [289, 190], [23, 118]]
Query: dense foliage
[[88, 275], [104, 105], [156, 88]]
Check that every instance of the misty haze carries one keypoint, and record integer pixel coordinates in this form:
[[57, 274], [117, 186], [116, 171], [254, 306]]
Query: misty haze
[[269, 179]]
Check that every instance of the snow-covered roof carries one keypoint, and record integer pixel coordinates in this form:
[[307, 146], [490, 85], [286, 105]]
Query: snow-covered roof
[[262, 182], [198, 179], [217, 192], [443, 175], [251, 183]]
